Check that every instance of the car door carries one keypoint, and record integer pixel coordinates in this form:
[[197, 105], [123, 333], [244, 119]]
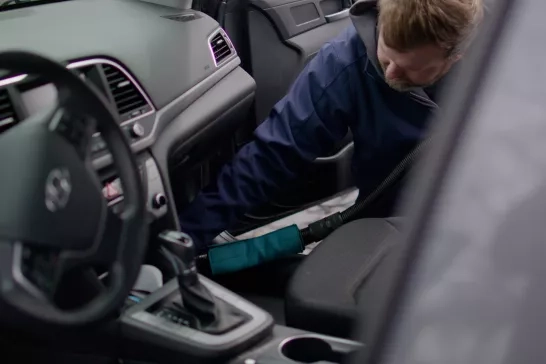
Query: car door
[[275, 39]]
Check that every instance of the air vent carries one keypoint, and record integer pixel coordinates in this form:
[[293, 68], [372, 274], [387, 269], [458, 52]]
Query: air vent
[[221, 47], [8, 117], [130, 103]]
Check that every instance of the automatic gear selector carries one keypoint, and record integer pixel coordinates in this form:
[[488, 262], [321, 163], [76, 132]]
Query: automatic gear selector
[[192, 314], [204, 311]]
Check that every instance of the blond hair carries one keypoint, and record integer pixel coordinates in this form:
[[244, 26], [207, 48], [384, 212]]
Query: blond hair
[[450, 24]]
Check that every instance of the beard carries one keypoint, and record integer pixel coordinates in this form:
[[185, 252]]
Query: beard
[[401, 85], [406, 86]]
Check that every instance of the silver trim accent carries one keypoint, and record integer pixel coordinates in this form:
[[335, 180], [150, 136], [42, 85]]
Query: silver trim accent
[[344, 150], [19, 277], [330, 18], [230, 45], [10, 80], [115, 201], [7, 121]]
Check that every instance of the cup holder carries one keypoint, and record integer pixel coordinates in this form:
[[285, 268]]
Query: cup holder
[[312, 349]]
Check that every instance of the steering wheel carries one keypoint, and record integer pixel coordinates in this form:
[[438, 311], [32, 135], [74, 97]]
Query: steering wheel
[[53, 216]]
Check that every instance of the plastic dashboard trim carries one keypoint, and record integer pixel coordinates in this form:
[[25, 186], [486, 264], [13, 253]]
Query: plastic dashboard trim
[[139, 324], [165, 115], [94, 61]]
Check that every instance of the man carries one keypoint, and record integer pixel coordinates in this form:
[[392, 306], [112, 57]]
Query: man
[[378, 79]]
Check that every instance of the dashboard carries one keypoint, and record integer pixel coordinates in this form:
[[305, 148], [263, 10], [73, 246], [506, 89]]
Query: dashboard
[[171, 74]]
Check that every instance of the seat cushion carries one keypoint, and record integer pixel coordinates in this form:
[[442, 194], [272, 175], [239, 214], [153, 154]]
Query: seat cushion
[[323, 293]]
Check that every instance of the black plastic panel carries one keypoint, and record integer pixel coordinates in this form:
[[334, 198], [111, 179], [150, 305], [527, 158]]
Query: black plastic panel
[[271, 350], [213, 115], [159, 333]]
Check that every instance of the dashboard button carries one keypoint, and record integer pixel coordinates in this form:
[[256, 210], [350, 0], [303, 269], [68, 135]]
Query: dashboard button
[[137, 130], [159, 200]]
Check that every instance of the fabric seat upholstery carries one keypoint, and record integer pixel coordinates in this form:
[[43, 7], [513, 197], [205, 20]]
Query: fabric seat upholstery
[[347, 267]]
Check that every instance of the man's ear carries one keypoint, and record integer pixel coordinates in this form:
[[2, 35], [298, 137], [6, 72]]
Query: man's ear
[[456, 57]]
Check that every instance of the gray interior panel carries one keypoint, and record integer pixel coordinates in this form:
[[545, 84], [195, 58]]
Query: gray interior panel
[[295, 18], [165, 115], [275, 64], [309, 43], [153, 48], [218, 110]]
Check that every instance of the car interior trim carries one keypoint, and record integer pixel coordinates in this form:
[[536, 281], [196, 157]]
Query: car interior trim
[[137, 316], [346, 149], [12, 80], [230, 44], [165, 115], [96, 61]]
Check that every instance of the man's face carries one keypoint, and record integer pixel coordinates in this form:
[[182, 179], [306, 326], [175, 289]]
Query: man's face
[[419, 67]]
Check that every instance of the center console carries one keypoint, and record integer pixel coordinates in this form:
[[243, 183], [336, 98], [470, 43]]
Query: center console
[[192, 319], [152, 321]]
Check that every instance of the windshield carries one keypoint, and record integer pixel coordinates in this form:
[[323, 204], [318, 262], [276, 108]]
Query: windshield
[[15, 4]]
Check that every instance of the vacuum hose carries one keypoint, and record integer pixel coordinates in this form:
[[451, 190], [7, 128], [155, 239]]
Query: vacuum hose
[[242, 254], [320, 229]]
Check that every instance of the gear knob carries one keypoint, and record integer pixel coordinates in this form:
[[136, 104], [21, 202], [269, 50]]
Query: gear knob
[[181, 245]]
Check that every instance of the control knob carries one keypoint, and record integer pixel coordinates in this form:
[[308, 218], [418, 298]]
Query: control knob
[[137, 130], [159, 200]]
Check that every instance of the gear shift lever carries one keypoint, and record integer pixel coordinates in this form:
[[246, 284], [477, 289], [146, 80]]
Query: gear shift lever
[[196, 298], [213, 315]]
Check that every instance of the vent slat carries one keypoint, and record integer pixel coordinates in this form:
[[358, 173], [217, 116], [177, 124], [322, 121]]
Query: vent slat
[[130, 107], [221, 48], [222, 54], [4, 105], [115, 80], [128, 100], [119, 93], [8, 117], [126, 96]]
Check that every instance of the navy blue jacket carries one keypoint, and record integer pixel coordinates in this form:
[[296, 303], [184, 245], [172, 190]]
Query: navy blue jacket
[[342, 88]]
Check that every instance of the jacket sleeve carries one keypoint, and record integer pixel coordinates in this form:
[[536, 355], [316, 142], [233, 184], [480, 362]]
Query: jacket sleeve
[[302, 126]]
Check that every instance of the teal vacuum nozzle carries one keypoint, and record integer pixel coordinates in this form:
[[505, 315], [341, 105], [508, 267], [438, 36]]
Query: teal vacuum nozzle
[[243, 254]]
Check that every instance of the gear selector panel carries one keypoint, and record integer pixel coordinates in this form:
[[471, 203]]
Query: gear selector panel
[[153, 320]]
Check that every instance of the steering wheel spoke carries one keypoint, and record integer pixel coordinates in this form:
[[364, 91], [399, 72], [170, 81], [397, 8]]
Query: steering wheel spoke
[[74, 127], [33, 273]]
